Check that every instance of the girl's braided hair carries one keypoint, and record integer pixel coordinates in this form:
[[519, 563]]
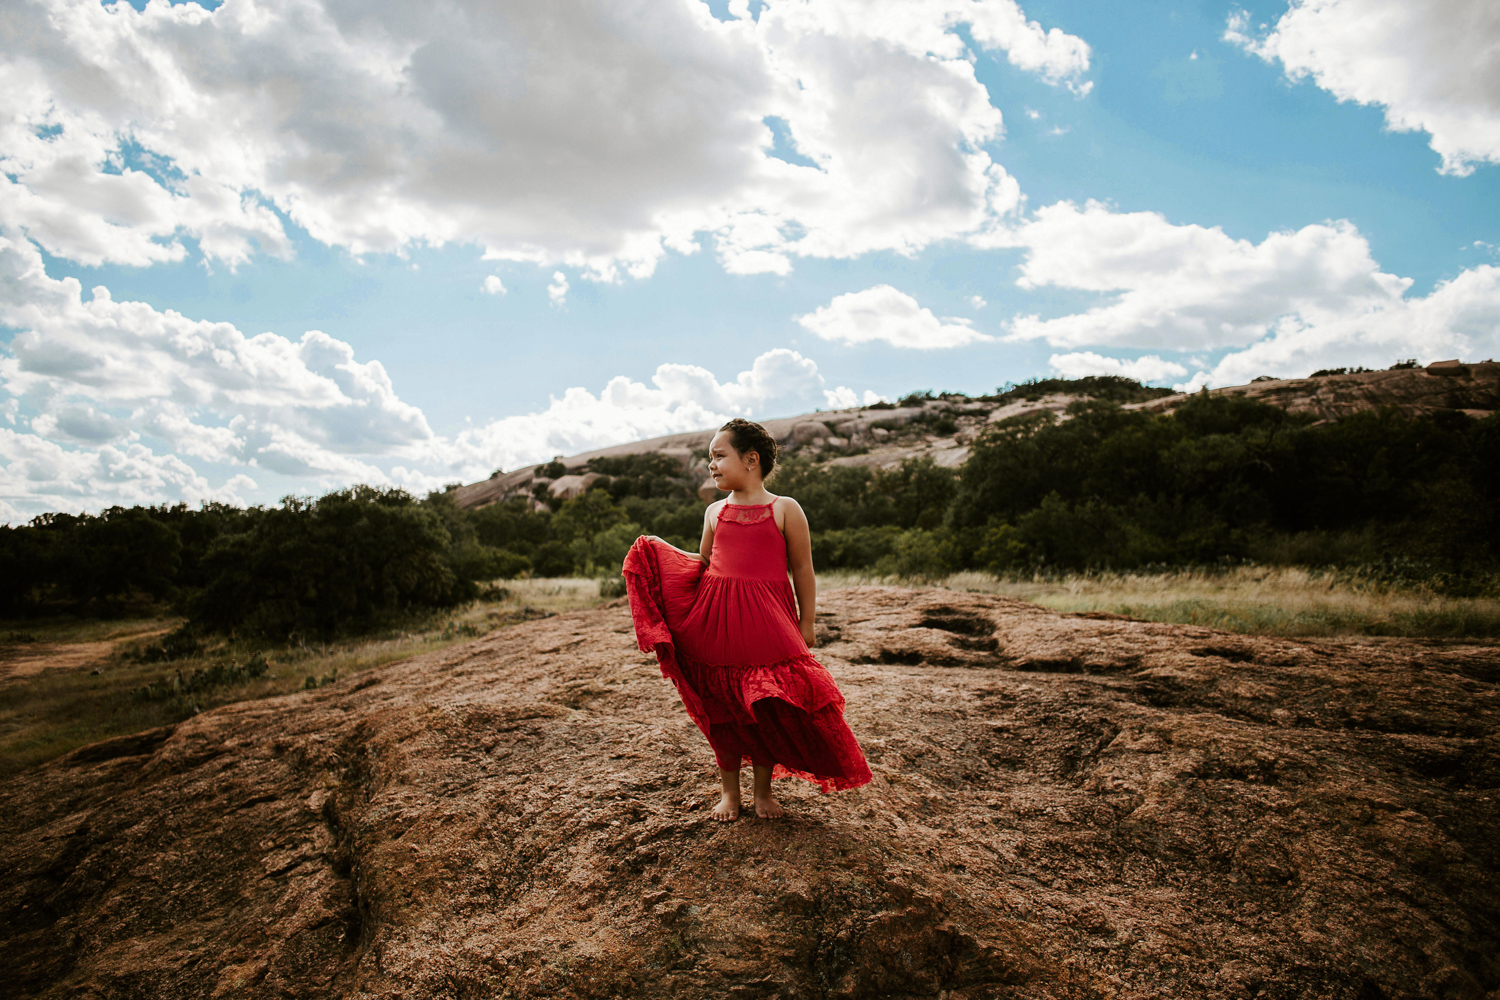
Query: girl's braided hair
[[747, 435]]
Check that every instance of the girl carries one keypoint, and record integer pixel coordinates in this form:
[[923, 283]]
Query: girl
[[733, 635]]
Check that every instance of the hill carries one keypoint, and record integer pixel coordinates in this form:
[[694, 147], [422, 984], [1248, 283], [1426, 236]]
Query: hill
[[942, 427], [1063, 807]]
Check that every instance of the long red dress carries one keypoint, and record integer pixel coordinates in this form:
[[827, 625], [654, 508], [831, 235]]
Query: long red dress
[[728, 638]]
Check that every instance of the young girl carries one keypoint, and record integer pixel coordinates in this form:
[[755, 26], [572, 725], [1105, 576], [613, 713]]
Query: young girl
[[732, 635]]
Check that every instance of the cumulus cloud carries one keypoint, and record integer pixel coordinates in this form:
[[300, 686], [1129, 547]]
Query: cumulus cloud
[[557, 291], [39, 475], [493, 285], [111, 402], [580, 133], [883, 313], [1144, 369], [1434, 67], [1288, 305], [1190, 287], [680, 398], [1458, 319], [102, 371]]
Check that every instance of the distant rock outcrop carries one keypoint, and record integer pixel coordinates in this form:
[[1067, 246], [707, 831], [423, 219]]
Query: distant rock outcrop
[[942, 428], [1063, 806], [1443, 385]]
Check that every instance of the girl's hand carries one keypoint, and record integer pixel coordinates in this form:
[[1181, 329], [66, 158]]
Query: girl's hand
[[808, 636]]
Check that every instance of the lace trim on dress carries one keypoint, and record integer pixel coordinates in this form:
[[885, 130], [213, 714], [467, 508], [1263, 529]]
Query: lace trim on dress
[[746, 515]]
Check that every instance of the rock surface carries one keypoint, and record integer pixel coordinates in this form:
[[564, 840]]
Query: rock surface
[[1063, 806]]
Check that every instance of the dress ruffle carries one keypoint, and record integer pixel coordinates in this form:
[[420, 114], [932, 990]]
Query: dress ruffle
[[728, 692]]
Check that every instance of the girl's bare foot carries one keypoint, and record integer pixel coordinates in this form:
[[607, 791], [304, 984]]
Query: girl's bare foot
[[766, 806], [728, 809]]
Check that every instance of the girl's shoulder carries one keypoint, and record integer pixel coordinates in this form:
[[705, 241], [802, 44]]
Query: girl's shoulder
[[783, 507]]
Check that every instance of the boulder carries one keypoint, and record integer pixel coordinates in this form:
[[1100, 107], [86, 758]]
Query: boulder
[[572, 485], [806, 432]]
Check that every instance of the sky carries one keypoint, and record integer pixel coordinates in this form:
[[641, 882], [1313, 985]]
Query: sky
[[274, 247]]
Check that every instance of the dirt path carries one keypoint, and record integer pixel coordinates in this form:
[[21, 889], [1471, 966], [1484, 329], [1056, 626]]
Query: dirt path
[[18, 660], [32, 658]]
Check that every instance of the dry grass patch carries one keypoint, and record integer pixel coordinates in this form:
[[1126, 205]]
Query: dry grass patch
[[1257, 600]]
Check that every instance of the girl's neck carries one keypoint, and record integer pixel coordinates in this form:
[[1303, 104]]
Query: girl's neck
[[751, 496]]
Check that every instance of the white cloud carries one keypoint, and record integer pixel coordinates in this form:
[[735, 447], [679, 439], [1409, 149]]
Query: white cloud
[[1458, 319], [557, 291], [1434, 66], [493, 285], [977, 301], [883, 313], [1293, 303], [92, 389], [1190, 287], [578, 133], [1144, 369], [680, 398], [39, 475], [102, 371]]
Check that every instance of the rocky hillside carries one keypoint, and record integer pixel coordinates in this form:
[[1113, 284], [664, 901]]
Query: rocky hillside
[[941, 428], [1062, 807]]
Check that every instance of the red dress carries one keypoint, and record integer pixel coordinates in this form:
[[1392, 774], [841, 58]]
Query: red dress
[[728, 638]]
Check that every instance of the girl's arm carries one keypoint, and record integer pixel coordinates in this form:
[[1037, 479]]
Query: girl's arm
[[706, 544], [799, 561]]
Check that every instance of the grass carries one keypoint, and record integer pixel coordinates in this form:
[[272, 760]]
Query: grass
[[1257, 600], [47, 714]]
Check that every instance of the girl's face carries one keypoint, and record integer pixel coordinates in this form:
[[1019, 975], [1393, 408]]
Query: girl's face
[[731, 470]]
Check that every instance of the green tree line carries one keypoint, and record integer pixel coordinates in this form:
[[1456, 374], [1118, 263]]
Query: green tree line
[[1221, 478]]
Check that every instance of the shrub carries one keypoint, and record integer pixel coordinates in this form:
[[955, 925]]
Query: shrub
[[921, 554], [552, 559], [345, 562], [476, 561], [1112, 388], [604, 551], [853, 548]]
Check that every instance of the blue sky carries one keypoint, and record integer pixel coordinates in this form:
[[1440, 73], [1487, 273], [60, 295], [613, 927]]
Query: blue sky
[[841, 201]]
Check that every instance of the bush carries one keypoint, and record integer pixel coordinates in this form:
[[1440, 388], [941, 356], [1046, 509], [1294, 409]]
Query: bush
[[920, 554], [604, 551], [475, 561], [175, 645], [347, 562], [1112, 388], [853, 548], [552, 559]]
